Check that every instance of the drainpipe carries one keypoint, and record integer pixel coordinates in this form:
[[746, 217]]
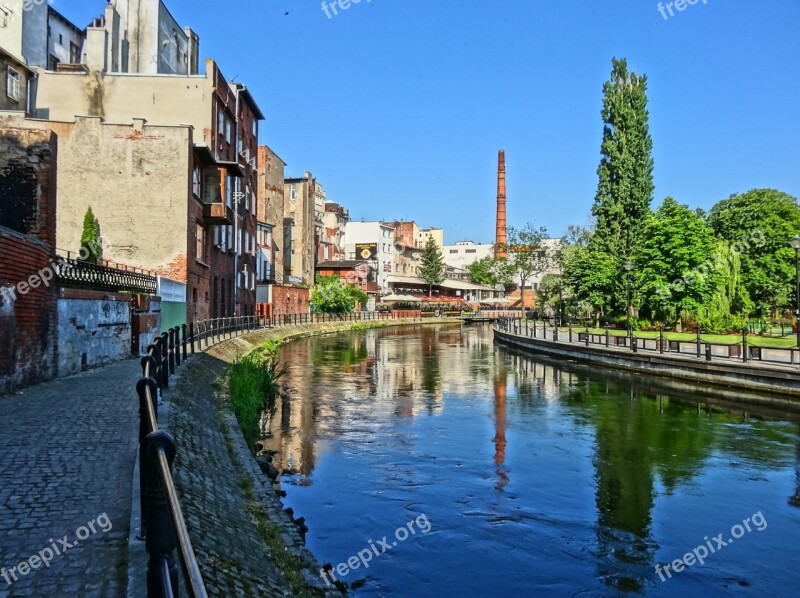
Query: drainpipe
[[237, 191]]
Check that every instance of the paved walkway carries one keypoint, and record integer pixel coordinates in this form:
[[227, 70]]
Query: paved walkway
[[67, 453]]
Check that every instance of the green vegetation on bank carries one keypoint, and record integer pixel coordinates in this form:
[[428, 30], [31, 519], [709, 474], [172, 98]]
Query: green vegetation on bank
[[253, 385], [720, 339]]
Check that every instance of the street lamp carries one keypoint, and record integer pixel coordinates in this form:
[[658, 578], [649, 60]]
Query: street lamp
[[795, 242], [628, 267]]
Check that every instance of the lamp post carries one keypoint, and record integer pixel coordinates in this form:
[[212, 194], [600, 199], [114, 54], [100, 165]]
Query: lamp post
[[795, 243], [628, 267]]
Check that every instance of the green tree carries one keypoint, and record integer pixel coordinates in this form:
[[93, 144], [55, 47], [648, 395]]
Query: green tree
[[491, 271], [624, 190], [333, 295], [527, 254], [678, 269], [432, 270], [90, 238], [758, 225]]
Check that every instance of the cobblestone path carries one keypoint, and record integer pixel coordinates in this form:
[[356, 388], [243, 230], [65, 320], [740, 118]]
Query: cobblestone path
[[67, 452]]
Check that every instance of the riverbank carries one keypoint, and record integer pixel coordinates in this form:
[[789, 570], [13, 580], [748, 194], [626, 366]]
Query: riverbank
[[772, 384], [245, 542]]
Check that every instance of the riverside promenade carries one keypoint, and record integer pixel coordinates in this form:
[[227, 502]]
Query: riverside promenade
[[732, 371], [67, 454]]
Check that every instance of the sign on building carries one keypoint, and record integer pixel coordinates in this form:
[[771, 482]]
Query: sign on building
[[366, 251]]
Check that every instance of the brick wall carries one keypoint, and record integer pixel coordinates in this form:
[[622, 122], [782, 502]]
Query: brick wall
[[27, 238], [289, 299]]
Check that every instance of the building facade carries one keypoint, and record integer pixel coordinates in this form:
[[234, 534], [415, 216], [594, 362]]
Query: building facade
[[222, 173], [374, 243], [334, 221], [300, 231], [465, 253], [269, 240], [437, 234], [140, 36]]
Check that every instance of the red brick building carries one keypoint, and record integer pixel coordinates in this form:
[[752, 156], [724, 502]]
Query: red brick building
[[27, 240]]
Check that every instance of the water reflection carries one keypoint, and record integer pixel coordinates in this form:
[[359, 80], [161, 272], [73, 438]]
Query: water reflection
[[435, 420]]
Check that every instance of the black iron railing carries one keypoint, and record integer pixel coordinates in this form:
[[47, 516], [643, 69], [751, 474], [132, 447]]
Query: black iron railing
[[73, 272], [741, 350], [163, 525]]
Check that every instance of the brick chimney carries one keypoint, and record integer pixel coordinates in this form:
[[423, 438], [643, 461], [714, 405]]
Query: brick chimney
[[500, 234]]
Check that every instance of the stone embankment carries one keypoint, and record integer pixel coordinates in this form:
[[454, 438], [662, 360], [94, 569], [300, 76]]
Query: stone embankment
[[756, 382]]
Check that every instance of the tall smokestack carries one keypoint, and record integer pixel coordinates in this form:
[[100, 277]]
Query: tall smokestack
[[500, 233]]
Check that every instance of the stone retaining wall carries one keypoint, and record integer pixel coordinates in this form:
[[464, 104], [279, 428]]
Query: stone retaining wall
[[752, 382]]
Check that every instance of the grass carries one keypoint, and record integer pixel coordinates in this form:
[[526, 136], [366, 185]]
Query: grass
[[718, 339], [253, 385]]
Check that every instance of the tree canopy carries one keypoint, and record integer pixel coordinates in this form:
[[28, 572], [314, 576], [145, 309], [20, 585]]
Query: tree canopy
[[332, 295]]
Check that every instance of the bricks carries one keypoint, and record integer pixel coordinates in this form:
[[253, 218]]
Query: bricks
[[27, 167]]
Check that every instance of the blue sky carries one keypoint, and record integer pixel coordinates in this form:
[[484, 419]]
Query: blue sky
[[399, 106]]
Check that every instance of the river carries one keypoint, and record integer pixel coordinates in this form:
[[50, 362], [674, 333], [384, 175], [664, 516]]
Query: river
[[441, 465]]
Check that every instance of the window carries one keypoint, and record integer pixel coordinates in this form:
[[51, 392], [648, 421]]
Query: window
[[12, 86], [292, 191], [74, 54], [220, 123], [247, 197], [255, 128], [228, 131], [454, 251], [196, 182], [200, 255], [471, 251], [60, 39]]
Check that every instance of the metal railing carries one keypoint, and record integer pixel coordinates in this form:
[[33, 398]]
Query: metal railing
[[163, 525], [73, 272], [742, 350]]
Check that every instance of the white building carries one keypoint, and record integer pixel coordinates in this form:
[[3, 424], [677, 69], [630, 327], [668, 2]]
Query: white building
[[465, 253], [140, 36], [374, 242]]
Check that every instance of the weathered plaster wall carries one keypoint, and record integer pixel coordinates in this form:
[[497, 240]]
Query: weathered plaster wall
[[136, 178], [92, 332]]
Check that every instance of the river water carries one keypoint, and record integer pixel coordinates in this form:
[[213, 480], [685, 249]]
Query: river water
[[523, 477]]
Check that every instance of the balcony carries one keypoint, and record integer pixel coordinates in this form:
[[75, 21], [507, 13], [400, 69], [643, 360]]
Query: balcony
[[217, 213]]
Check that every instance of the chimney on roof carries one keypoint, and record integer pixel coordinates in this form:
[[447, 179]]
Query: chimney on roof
[[500, 232]]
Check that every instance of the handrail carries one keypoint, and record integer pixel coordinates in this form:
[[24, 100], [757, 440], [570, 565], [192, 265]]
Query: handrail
[[163, 524], [700, 347]]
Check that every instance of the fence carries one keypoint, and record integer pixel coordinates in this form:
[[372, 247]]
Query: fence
[[699, 347], [163, 526], [72, 272]]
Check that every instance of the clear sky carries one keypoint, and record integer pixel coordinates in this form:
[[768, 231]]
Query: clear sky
[[398, 107]]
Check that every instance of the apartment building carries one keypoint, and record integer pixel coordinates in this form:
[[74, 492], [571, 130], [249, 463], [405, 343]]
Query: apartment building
[[222, 174]]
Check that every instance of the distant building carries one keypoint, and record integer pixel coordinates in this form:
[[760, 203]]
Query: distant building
[[373, 242], [140, 36], [465, 253], [300, 233], [49, 38], [334, 221], [406, 233], [269, 216], [437, 234]]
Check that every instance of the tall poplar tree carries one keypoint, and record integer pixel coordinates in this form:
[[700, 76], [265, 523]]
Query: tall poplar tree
[[625, 186]]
